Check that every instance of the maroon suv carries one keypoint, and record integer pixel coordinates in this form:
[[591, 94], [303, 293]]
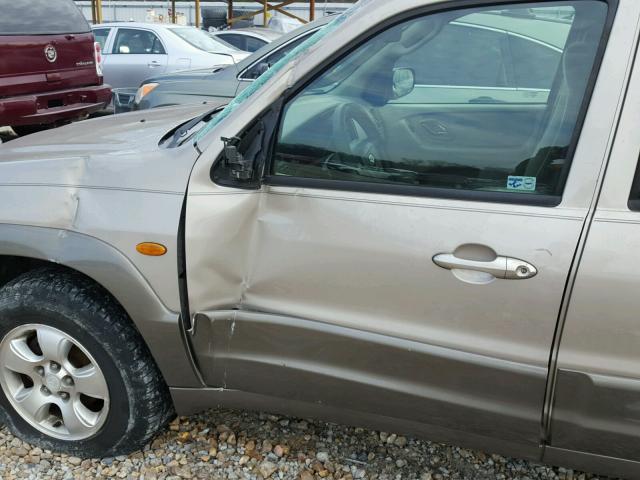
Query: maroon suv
[[50, 69]]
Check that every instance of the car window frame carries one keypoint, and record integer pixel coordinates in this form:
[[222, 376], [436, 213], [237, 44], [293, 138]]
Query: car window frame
[[307, 34], [117, 32], [633, 203], [434, 192], [106, 39]]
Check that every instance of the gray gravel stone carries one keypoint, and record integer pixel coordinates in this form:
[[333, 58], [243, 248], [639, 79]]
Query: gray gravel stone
[[229, 445]]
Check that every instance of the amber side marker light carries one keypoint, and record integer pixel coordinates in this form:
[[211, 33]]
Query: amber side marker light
[[151, 249]]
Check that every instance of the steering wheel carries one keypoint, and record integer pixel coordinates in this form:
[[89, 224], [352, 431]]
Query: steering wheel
[[357, 139]]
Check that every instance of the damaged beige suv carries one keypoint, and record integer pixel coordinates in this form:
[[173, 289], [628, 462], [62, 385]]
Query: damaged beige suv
[[426, 218]]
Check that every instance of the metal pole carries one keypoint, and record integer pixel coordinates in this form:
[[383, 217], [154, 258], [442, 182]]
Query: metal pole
[[173, 11], [197, 13], [230, 12], [99, 11], [266, 4], [312, 10]]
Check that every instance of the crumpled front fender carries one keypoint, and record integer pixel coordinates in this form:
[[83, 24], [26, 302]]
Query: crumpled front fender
[[100, 261]]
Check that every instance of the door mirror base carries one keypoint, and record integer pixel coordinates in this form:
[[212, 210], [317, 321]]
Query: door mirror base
[[243, 159], [240, 168]]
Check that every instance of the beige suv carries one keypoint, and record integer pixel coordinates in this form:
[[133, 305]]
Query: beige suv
[[425, 219]]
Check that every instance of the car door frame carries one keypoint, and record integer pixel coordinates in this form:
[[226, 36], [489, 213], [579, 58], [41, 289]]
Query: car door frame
[[577, 195], [592, 420], [112, 42], [108, 41]]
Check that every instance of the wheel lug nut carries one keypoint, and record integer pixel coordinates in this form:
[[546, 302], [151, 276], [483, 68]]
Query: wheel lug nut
[[68, 381], [64, 395], [54, 366], [40, 371], [45, 390]]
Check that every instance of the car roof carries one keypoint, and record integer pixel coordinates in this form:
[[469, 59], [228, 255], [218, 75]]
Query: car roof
[[150, 26]]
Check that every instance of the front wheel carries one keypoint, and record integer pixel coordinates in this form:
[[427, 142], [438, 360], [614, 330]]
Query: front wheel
[[75, 375]]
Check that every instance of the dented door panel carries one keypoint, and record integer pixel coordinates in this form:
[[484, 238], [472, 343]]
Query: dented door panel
[[347, 368], [328, 293], [298, 293]]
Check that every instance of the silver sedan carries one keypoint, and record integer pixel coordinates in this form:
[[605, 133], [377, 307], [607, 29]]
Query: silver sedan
[[134, 52]]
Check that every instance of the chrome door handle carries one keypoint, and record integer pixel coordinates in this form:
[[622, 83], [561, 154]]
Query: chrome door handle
[[154, 64], [506, 268]]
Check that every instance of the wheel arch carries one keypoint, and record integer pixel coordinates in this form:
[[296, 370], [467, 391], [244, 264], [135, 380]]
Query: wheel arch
[[23, 248]]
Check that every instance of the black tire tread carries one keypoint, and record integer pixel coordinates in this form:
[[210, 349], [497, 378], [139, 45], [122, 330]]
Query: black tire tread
[[151, 404]]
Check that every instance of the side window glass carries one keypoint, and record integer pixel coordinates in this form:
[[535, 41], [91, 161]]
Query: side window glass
[[462, 54], [534, 63], [130, 41], [101, 35], [269, 60], [235, 40], [453, 100], [254, 44]]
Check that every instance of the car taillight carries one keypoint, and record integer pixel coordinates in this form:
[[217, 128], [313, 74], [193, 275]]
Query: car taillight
[[97, 50]]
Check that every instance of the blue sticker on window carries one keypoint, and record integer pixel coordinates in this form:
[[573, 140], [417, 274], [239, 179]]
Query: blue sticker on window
[[525, 184]]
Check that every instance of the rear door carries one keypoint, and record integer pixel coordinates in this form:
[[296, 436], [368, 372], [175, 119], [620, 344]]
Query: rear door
[[136, 54], [44, 45], [597, 385]]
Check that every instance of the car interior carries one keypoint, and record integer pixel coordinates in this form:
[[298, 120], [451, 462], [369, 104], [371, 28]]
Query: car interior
[[470, 121], [137, 42]]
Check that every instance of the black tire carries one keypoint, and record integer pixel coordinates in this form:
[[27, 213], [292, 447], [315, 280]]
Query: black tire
[[214, 17], [22, 130], [140, 404]]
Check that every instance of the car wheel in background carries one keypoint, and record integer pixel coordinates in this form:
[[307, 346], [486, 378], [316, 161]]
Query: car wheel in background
[[22, 130]]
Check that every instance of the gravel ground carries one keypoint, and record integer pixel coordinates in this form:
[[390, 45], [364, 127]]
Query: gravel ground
[[224, 444]]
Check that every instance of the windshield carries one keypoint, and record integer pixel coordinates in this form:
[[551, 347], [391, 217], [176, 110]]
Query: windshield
[[269, 74], [45, 17], [342, 70], [202, 40]]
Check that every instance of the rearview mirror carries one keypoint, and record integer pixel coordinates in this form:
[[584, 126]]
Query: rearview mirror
[[404, 81]]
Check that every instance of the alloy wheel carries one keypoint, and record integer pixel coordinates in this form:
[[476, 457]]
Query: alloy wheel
[[53, 382]]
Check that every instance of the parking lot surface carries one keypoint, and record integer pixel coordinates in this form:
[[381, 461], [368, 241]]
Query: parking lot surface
[[225, 444]]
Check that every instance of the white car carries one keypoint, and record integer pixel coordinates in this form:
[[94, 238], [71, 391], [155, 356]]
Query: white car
[[133, 52], [247, 39]]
